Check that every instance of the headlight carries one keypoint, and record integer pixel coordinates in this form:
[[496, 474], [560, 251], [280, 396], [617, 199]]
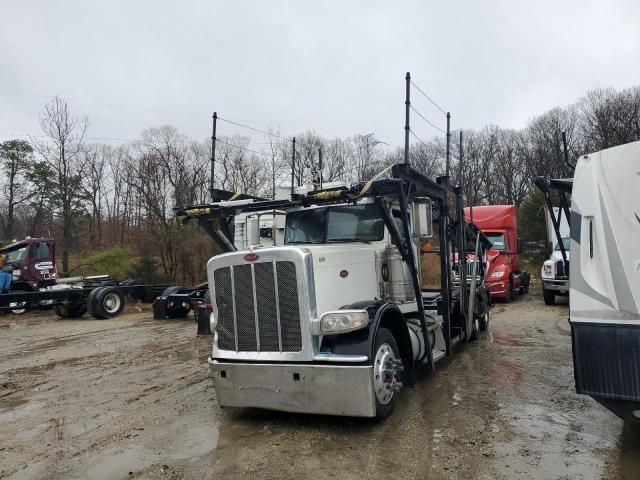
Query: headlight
[[17, 272], [213, 321], [498, 274], [547, 269], [342, 321]]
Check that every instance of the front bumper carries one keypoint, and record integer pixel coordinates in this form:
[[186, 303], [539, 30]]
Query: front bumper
[[303, 388], [556, 285], [497, 289]]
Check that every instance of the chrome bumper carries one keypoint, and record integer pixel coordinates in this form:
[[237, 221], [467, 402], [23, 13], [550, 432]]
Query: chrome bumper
[[556, 285], [321, 389]]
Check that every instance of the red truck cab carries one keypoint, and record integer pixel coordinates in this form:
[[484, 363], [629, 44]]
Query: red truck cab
[[504, 278], [31, 263]]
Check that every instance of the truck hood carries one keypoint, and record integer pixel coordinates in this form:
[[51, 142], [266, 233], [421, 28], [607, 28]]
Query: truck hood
[[344, 273], [557, 255]]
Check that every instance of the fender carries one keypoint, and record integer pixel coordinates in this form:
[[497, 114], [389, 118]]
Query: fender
[[361, 342]]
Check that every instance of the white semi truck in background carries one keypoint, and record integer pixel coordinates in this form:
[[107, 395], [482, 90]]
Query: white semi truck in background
[[605, 274], [555, 270], [337, 318]]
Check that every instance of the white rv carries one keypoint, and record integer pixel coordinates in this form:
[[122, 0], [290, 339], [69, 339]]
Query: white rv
[[605, 277]]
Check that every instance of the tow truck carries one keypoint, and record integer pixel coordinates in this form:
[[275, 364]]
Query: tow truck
[[339, 318], [36, 285]]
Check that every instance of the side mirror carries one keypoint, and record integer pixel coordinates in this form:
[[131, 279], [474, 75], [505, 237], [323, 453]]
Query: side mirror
[[422, 219], [520, 243]]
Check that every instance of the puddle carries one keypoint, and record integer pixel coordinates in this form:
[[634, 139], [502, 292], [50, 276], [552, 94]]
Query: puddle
[[188, 442], [629, 458], [502, 338], [556, 444], [506, 374]]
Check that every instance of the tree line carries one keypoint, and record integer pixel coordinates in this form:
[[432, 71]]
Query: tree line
[[92, 196]]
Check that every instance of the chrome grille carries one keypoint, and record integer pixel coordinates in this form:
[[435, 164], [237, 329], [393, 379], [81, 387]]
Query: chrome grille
[[258, 307]]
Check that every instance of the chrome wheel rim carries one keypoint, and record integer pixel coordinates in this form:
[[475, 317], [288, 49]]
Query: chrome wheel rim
[[384, 373], [111, 302]]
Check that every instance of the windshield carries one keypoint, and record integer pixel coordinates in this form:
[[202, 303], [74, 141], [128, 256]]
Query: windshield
[[15, 255], [566, 241], [497, 239], [357, 223]]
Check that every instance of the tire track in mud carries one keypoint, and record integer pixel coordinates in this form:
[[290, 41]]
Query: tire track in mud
[[121, 382]]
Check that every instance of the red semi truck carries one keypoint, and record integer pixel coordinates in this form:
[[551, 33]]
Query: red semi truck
[[504, 278]]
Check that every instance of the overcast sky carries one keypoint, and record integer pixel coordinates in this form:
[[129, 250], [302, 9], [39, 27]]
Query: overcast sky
[[336, 67]]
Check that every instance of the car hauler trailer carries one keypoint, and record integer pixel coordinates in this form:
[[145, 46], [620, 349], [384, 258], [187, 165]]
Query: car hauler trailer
[[336, 321], [604, 295]]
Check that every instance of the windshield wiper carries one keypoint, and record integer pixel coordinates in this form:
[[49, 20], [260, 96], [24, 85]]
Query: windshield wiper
[[348, 240]]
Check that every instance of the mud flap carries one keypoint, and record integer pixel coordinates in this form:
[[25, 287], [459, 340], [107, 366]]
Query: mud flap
[[160, 308]]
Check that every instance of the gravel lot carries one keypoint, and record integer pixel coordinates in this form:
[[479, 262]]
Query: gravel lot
[[131, 398]]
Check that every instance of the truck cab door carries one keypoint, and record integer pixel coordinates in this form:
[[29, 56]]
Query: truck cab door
[[42, 258]]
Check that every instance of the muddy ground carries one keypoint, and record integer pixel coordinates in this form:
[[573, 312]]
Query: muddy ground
[[131, 398]]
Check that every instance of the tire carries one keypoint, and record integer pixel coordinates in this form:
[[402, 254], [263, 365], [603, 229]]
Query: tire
[[549, 297], [475, 327], [169, 290], [526, 280], [73, 310], [385, 349], [484, 320], [107, 302], [175, 312], [509, 294], [89, 302], [512, 291], [18, 311]]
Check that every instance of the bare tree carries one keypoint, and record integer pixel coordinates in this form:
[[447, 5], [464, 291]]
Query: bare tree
[[62, 152], [277, 165], [93, 187], [337, 160], [366, 161], [239, 169], [16, 157]]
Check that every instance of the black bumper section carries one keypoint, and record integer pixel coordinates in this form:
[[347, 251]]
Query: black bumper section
[[606, 361]]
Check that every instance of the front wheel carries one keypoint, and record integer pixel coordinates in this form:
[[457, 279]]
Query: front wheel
[[549, 297], [387, 366], [484, 320], [508, 295]]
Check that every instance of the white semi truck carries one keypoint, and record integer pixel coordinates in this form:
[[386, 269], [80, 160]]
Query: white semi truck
[[336, 320], [605, 276], [555, 270]]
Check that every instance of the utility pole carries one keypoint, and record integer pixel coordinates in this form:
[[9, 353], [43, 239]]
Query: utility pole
[[213, 156], [320, 166], [448, 143], [461, 173], [293, 167], [407, 129]]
